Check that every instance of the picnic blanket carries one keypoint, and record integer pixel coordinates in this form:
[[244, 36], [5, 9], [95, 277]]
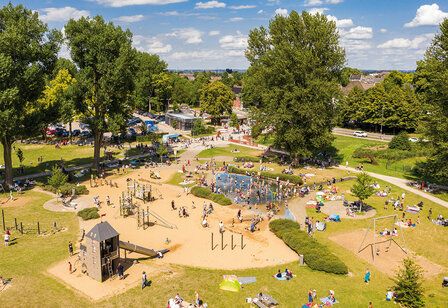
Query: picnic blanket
[[327, 301], [335, 217], [413, 209], [283, 277], [247, 280], [320, 226]]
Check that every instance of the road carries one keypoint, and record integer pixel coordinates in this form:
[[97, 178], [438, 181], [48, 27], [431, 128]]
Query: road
[[370, 136]]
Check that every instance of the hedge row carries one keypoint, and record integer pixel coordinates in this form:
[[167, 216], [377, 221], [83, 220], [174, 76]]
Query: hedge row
[[206, 193], [244, 159], [89, 213], [316, 256], [283, 177], [67, 188]]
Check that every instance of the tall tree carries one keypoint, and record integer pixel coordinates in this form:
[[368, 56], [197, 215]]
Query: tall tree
[[293, 80], [106, 62], [431, 82], [149, 67], [28, 53], [216, 100], [408, 285], [184, 91], [363, 189]]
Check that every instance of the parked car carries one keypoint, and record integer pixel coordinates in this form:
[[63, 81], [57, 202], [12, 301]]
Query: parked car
[[86, 134], [76, 132], [414, 139], [359, 133]]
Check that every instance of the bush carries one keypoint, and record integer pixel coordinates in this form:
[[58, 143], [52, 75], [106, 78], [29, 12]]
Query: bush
[[57, 178], [206, 193], [67, 188], [89, 213], [400, 142], [199, 128], [316, 256], [244, 159], [283, 177]]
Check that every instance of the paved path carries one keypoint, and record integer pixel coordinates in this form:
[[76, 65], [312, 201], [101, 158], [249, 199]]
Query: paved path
[[402, 183]]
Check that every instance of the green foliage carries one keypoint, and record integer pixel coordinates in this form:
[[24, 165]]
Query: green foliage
[[366, 153], [89, 213], [67, 189], [408, 285], [400, 142], [234, 120], [184, 91], [345, 74], [28, 53], [162, 150], [363, 189], [149, 137], [20, 155], [105, 81], [206, 193], [244, 159], [199, 128], [292, 80], [432, 74], [57, 178], [316, 256], [294, 179], [216, 99]]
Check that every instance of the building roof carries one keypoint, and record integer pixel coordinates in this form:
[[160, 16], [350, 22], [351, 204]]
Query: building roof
[[183, 116], [101, 232]]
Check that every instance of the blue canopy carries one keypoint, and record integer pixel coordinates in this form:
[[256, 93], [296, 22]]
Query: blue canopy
[[167, 137]]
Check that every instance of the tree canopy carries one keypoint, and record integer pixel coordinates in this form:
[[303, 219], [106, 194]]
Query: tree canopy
[[106, 62], [28, 53], [216, 99]]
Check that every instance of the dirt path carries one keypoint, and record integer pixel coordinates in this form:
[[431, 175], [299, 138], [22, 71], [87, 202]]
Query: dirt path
[[402, 183]]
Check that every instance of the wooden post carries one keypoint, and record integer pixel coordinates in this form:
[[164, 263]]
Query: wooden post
[[38, 228], [3, 220], [21, 228], [213, 246], [15, 223], [147, 215], [242, 245], [222, 240], [231, 241]]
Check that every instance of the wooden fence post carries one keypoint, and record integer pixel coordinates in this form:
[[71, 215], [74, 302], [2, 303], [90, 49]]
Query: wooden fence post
[[38, 228], [3, 220]]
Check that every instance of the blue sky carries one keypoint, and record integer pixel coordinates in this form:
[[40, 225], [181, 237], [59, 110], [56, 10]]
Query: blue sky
[[211, 34]]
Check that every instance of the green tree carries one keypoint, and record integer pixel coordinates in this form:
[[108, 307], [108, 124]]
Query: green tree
[[216, 100], [63, 63], [408, 285], [28, 53], [106, 62], [149, 67], [163, 87], [57, 178], [363, 187], [234, 120], [20, 156], [346, 72], [431, 83], [162, 150], [400, 142], [293, 80], [184, 91]]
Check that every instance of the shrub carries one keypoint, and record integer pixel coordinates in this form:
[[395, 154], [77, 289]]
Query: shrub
[[89, 213], [206, 193], [199, 128], [57, 178], [243, 159], [400, 142], [366, 154], [67, 188], [316, 256]]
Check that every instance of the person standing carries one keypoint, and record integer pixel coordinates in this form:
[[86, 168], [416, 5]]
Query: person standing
[[367, 276], [70, 248], [144, 280], [120, 271], [221, 227], [6, 238]]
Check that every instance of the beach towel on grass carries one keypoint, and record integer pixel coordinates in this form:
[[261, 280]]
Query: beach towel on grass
[[247, 280], [327, 301]]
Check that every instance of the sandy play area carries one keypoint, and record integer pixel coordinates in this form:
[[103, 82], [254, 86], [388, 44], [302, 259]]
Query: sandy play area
[[188, 242], [389, 259]]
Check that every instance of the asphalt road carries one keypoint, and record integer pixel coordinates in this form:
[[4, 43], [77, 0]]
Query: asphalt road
[[371, 136]]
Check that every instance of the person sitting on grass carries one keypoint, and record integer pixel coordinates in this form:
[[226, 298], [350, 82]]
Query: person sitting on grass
[[288, 274], [279, 274]]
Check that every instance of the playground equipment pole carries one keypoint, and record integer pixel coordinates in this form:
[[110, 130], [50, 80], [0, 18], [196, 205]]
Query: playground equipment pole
[[3, 220], [231, 241], [242, 245], [15, 223], [222, 240], [38, 228], [21, 228], [213, 246]]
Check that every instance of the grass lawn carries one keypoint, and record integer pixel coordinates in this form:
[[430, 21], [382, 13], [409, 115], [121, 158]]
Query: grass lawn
[[227, 151], [27, 261], [347, 145]]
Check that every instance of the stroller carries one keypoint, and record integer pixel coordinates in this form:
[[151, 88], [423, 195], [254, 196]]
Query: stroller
[[445, 282]]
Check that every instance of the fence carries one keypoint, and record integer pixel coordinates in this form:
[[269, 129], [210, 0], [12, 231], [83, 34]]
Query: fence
[[37, 227]]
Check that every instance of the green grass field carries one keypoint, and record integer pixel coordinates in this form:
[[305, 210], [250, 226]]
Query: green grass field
[[227, 151]]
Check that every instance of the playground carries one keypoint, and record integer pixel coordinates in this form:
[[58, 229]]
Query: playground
[[195, 257]]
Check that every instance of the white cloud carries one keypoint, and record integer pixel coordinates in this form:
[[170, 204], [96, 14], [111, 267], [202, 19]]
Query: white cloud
[[151, 44], [63, 14], [214, 33], [205, 55], [238, 41], [210, 5], [341, 23], [189, 35], [236, 19], [383, 30], [316, 10], [357, 33], [121, 3], [260, 12], [170, 13], [281, 12], [353, 46], [321, 2], [130, 18], [414, 43], [242, 7], [427, 15]]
